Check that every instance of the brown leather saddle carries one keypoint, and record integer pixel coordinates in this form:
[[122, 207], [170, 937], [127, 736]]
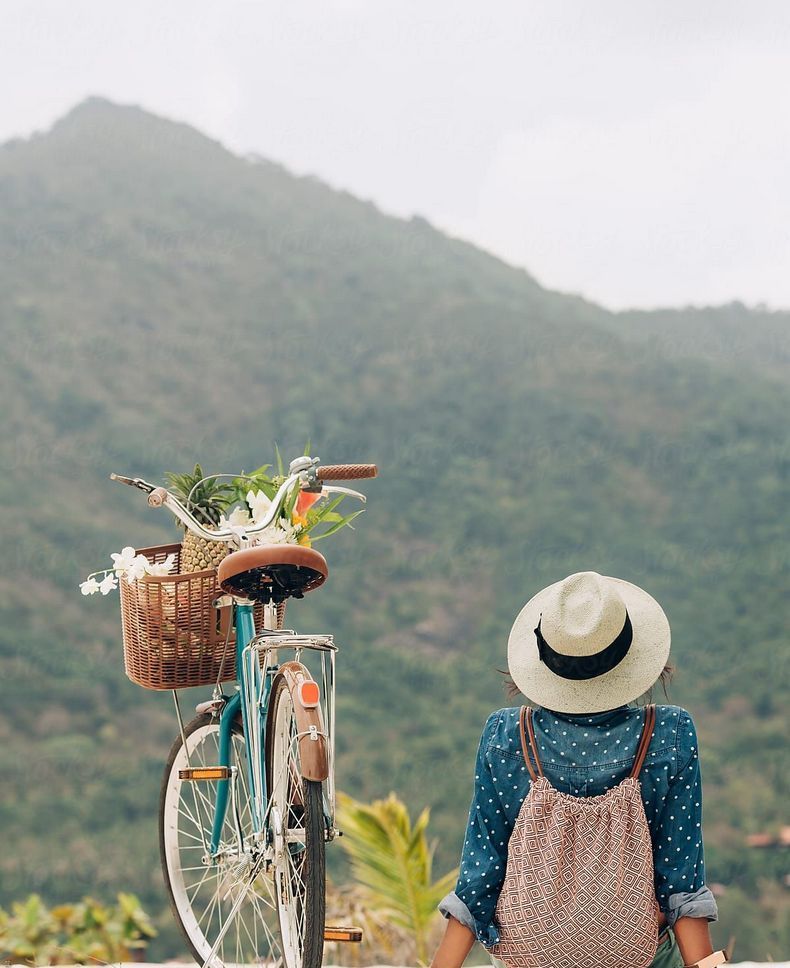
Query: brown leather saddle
[[272, 573]]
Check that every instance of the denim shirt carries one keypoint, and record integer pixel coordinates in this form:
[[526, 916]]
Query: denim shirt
[[586, 754]]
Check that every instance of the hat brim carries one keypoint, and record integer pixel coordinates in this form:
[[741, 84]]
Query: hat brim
[[629, 679]]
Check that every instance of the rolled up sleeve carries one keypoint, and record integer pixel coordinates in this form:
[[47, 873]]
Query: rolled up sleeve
[[679, 862], [484, 854], [451, 904]]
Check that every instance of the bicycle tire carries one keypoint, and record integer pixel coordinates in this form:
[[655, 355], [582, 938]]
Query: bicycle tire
[[312, 871], [188, 918]]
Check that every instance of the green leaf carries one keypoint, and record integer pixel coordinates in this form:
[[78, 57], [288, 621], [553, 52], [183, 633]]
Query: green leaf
[[323, 509], [257, 480], [330, 516], [318, 512], [336, 527], [290, 501]]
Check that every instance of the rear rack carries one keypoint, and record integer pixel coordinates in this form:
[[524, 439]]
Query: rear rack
[[288, 639]]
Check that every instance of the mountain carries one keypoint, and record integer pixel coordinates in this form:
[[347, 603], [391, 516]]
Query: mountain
[[164, 300]]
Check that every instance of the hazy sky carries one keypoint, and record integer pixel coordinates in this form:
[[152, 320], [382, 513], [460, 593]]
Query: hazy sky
[[636, 152]]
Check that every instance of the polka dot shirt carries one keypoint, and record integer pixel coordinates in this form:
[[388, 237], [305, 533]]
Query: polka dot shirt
[[586, 755]]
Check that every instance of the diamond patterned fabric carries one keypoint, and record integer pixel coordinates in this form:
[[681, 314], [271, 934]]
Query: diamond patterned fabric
[[578, 890]]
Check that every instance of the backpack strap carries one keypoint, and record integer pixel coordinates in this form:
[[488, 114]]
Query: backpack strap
[[644, 742], [527, 710], [530, 717]]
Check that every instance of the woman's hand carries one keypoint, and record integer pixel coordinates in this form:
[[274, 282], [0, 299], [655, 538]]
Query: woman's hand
[[456, 944]]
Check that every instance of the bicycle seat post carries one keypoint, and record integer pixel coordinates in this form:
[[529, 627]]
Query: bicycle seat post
[[270, 616]]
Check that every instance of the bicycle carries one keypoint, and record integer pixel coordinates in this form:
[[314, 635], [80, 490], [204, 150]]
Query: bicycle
[[247, 802]]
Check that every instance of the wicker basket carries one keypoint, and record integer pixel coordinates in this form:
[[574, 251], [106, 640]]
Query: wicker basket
[[173, 637]]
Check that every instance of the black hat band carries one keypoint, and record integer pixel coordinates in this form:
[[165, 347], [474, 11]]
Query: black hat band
[[586, 666]]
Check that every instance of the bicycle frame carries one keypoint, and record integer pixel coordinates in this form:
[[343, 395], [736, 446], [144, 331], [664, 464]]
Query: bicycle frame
[[252, 696], [245, 631]]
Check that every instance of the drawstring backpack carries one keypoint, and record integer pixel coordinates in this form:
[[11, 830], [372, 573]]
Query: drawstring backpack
[[578, 889]]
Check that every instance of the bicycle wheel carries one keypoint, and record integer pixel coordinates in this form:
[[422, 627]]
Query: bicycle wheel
[[298, 825], [231, 895]]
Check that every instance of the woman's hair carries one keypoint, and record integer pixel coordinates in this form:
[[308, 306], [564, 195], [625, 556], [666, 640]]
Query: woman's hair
[[666, 676]]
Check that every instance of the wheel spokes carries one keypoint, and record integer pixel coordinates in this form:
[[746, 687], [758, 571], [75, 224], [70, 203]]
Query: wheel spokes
[[219, 903], [251, 901]]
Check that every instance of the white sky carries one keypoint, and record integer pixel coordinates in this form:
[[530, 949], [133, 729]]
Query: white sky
[[637, 152]]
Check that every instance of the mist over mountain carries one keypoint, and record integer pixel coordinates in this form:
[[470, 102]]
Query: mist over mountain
[[165, 301]]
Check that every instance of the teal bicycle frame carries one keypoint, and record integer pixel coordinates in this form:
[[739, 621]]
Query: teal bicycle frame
[[245, 631]]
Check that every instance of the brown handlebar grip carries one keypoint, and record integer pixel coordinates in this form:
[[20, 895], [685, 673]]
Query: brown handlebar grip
[[346, 472], [157, 497]]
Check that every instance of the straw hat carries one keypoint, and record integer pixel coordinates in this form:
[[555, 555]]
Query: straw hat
[[588, 643]]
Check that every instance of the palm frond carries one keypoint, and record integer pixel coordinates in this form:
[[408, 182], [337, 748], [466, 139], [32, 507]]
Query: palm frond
[[391, 860]]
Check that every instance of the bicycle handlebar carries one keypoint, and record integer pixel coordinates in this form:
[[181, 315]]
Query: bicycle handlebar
[[161, 497], [346, 472]]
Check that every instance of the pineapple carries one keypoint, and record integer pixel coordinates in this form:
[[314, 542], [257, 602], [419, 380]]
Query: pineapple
[[208, 501]]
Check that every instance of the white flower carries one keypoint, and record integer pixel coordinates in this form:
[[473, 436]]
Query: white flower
[[108, 583], [238, 516], [259, 505], [129, 565], [161, 567], [280, 533], [137, 568], [239, 529], [123, 560]]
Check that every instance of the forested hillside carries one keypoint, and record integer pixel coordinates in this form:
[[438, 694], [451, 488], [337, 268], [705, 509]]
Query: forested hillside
[[163, 301]]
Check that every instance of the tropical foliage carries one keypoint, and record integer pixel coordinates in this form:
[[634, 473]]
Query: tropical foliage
[[84, 933], [394, 893]]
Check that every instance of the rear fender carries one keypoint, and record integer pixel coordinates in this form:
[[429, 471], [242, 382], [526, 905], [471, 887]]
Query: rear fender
[[312, 744]]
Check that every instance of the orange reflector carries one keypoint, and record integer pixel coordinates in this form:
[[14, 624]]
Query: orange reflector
[[342, 934], [205, 773], [308, 693]]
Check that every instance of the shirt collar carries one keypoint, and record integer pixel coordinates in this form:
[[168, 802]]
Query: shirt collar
[[608, 715]]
